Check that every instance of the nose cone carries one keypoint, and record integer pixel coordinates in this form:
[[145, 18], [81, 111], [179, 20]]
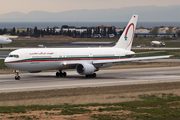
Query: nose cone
[[9, 41], [6, 60]]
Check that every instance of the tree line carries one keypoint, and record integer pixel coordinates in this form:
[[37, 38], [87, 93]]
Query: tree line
[[35, 32]]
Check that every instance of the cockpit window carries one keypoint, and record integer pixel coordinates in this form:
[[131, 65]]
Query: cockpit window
[[16, 56], [10, 56], [7, 38]]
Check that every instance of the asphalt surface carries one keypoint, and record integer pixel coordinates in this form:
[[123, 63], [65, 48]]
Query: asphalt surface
[[48, 81], [3, 54]]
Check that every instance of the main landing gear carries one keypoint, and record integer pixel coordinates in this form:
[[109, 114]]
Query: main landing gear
[[17, 77], [61, 74], [91, 76]]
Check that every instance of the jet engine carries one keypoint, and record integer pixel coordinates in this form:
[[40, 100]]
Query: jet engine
[[85, 69]]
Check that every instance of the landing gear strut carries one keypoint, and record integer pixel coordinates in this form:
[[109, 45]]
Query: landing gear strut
[[17, 77], [91, 75], [61, 74]]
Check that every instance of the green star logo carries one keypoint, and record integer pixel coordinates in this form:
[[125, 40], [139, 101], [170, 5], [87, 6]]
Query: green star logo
[[125, 37]]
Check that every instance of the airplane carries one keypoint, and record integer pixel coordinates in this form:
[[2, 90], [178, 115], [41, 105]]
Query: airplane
[[86, 61], [4, 40], [158, 43]]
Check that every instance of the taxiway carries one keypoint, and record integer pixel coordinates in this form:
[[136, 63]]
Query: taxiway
[[48, 81]]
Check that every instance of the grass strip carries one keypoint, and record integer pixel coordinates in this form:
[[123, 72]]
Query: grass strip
[[15, 96], [155, 106]]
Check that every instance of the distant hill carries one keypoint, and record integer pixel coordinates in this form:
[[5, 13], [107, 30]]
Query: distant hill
[[146, 14]]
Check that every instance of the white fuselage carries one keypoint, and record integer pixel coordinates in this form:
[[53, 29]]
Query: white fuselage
[[5, 40], [39, 59]]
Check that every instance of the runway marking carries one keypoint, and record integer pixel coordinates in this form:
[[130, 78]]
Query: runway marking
[[156, 77], [6, 80], [55, 86]]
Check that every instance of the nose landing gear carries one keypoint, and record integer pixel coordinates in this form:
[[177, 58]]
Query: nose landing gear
[[17, 77]]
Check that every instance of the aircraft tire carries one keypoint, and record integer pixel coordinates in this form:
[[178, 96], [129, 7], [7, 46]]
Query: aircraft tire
[[91, 76], [57, 74], [94, 75], [64, 74], [17, 77], [61, 74]]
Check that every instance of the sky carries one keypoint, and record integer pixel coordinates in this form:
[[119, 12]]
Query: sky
[[26, 6]]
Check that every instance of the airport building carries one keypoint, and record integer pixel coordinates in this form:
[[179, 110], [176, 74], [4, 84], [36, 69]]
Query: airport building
[[142, 30]]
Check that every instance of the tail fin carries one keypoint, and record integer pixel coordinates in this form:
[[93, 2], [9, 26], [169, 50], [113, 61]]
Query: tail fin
[[126, 39]]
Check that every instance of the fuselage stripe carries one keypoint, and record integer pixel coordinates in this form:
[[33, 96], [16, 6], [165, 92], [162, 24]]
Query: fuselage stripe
[[68, 59]]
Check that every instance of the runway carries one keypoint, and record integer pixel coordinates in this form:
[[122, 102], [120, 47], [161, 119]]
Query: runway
[[48, 81], [3, 54]]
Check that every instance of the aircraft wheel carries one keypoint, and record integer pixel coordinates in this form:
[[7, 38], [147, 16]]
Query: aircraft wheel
[[64, 74], [61, 74], [91, 76], [57, 74], [17, 77], [87, 76], [94, 75]]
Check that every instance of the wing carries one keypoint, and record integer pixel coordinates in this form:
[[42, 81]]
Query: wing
[[130, 59], [99, 63]]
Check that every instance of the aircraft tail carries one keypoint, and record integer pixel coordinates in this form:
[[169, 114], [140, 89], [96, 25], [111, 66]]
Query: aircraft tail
[[126, 39]]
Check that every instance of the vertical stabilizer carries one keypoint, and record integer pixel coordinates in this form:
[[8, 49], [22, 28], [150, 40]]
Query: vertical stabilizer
[[126, 39]]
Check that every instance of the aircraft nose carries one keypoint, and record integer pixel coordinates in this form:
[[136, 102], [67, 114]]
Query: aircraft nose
[[6, 60], [9, 41]]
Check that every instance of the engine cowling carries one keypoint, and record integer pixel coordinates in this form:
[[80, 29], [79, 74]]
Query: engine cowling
[[85, 69]]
